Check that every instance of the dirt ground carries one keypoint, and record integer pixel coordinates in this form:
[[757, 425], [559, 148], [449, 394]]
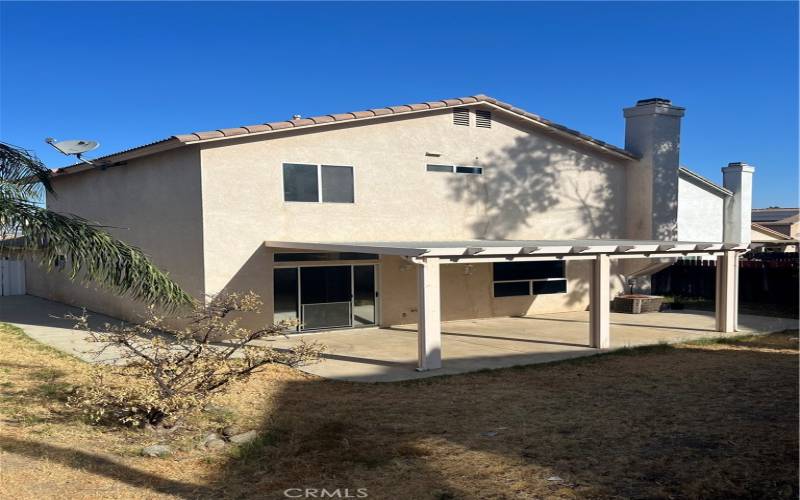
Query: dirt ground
[[703, 420]]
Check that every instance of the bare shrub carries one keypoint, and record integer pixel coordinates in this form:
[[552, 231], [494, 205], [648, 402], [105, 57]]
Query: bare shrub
[[165, 374]]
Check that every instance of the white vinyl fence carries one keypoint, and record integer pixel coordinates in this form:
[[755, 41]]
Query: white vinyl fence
[[12, 277]]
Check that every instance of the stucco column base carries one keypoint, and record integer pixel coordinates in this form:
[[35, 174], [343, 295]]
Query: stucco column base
[[727, 292], [429, 328], [599, 313]]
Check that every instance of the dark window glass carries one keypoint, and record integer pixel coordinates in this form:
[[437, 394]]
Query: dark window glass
[[285, 284], [364, 295], [300, 182], [469, 170], [512, 289], [337, 184], [440, 168], [317, 256], [555, 286], [506, 271], [325, 284]]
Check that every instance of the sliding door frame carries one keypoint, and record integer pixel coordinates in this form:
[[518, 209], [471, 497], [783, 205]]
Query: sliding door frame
[[349, 263]]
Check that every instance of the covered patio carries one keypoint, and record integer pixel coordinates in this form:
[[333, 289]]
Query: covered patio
[[594, 326], [389, 354]]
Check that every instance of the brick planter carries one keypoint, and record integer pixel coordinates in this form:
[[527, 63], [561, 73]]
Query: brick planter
[[635, 304]]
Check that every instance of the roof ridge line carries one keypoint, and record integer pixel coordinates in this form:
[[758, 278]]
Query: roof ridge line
[[245, 130]]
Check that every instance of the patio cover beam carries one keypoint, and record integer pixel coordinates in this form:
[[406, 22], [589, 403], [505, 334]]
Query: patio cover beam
[[483, 250]]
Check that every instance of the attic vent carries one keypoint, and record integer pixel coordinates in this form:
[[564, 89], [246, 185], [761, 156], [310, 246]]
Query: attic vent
[[461, 116], [483, 118]]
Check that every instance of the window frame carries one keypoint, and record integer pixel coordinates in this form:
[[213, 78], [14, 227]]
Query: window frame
[[319, 182], [453, 169], [530, 282]]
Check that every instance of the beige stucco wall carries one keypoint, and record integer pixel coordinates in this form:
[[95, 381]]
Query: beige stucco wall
[[700, 212], [153, 203], [467, 292], [534, 187]]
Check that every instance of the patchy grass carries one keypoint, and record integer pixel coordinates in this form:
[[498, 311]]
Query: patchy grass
[[706, 419]]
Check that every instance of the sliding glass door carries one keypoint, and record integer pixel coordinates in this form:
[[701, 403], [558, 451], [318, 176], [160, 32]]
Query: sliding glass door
[[364, 294], [324, 297]]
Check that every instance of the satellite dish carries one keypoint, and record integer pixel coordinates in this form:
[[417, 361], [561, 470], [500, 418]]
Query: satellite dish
[[74, 147]]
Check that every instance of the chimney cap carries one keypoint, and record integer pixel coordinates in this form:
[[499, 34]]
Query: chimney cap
[[738, 166], [654, 100]]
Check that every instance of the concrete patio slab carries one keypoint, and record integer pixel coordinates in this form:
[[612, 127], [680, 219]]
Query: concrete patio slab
[[390, 354]]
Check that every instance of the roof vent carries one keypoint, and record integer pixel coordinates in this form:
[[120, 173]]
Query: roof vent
[[654, 100], [296, 117], [483, 118], [461, 116]]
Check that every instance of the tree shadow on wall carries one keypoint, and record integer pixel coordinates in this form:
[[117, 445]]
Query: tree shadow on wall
[[536, 181]]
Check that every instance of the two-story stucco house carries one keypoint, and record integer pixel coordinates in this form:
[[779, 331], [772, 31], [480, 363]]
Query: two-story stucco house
[[452, 209]]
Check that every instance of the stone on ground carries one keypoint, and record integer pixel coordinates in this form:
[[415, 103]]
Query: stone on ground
[[244, 437], [156, 450]]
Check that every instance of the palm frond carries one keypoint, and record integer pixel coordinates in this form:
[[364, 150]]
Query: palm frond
[[23, 171], [91, 252]]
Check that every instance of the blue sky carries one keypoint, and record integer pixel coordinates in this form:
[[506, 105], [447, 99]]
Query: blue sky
[[130, 73]]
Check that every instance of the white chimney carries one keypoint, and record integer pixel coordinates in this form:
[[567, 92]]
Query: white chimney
[[653, 132], [738, 178]]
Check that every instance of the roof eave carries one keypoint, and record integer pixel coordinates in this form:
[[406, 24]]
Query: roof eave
[[771, 232], [543, 124], [355, 116], [122, 156], [705, 182]]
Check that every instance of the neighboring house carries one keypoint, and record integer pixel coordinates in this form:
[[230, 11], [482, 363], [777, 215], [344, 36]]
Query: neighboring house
[[345, 219], [782, 220], [772, 241]]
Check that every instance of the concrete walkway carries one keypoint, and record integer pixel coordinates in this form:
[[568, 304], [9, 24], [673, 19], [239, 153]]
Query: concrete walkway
[[389, 354], [44, 321]]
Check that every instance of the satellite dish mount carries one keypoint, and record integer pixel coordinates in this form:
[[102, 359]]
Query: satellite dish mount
[[74, 147]]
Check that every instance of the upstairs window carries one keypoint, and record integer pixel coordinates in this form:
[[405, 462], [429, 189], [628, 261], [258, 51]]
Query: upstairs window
[[528, 278], [449, 169], [469, 170], [318, 183], [440, 168]]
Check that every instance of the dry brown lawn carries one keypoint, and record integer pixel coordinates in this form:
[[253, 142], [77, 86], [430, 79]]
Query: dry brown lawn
[[708, 420]]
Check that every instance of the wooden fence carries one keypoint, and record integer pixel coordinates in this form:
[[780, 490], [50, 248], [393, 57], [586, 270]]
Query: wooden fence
[[763, 281]]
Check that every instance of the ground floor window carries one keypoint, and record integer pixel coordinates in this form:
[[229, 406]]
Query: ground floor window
[[512, 279], [326, 296]]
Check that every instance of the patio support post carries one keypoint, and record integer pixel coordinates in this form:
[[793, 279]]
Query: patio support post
[[727, 293], [429, 327], [599, 314]]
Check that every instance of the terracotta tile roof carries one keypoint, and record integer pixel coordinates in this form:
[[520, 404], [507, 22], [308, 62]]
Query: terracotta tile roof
[[194, 137]]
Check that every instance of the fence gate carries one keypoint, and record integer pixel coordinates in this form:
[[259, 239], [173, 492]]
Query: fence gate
[[12, 277]]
